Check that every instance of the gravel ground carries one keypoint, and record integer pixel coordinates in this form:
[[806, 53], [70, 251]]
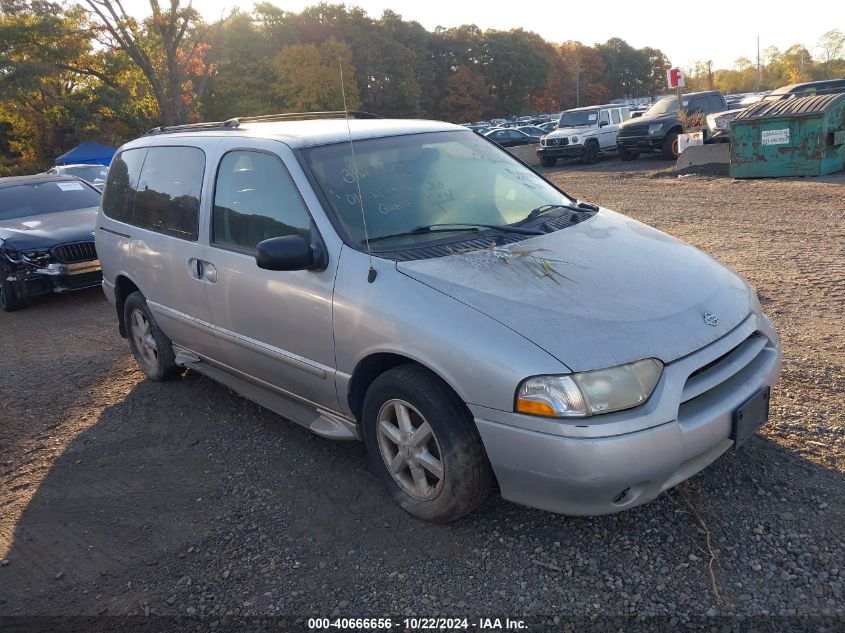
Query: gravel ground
[[122, 496]]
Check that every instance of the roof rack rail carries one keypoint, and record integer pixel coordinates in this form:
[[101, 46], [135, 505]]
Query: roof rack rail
[[235, 122]]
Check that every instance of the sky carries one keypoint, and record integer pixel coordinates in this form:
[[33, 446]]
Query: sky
[[717, 30]]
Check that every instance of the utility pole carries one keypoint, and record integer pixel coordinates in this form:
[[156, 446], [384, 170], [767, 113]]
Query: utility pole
[[578, 81], [758, 63], [710, 75]]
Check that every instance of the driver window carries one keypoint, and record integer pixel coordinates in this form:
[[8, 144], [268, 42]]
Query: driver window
[[255, 199]]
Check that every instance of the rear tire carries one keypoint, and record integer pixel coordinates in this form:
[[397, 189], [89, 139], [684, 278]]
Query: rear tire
[[9, 298], [670, 146], [152, 350], [547, 161], [591, 153], [438, 468]]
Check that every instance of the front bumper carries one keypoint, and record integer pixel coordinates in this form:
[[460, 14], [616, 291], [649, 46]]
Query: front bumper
[[629, 458], [560, 151], [639, 143], [55, 278]]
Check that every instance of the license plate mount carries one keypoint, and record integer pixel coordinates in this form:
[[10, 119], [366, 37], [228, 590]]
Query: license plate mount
[[750, 416]]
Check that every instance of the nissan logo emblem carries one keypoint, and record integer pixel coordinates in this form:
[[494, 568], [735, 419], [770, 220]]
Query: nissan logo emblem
[[711, 319]]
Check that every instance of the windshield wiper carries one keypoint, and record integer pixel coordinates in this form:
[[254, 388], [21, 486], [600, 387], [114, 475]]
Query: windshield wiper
[[542, 210], [456, 226]]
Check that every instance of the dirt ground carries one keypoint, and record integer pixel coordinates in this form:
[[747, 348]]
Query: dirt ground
[[122, 496]]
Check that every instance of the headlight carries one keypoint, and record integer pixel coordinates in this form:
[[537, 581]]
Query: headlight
[[591, 392], [655, 128], [573, 139]]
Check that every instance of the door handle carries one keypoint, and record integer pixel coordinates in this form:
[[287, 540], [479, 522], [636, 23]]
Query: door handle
[[209, 272], [195, 268]]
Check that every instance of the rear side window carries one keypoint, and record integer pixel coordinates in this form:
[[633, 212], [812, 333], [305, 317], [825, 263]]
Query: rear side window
[[168, 197], [615, 116], [256, 199], [122, 184]]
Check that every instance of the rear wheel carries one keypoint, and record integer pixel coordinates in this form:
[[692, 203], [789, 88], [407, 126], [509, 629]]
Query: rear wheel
[[424, 445], [9, 298], [670, 146], [591, 153], [548, 161], [152, 350]]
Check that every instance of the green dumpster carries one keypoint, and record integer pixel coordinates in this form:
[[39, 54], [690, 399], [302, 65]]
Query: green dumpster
[[791, 137]]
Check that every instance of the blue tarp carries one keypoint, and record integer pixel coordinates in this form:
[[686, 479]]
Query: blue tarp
[[88, 153]]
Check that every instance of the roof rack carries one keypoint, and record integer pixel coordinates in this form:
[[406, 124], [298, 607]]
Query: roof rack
[[235, 123]]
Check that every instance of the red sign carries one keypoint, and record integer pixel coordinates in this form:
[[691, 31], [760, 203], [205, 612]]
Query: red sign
[[675, 78]]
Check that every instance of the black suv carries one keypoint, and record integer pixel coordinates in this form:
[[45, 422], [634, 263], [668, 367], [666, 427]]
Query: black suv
[[657, 130]]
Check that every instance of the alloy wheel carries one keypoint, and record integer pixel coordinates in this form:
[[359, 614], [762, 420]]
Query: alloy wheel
[[142, 335], [410, 450]]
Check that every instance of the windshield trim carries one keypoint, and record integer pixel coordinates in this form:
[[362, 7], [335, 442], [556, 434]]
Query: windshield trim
[[325, 207]]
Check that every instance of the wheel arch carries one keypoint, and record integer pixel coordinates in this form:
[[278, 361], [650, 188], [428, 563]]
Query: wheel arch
[[374, 365], [123, 287]]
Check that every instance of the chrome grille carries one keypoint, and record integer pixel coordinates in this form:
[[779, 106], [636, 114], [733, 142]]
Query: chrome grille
[[74, 252]]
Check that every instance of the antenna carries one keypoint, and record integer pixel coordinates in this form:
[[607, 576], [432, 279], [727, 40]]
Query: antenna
[[371, 274]]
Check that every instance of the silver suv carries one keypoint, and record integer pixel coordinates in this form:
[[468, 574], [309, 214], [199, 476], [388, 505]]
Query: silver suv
[[411, 284]]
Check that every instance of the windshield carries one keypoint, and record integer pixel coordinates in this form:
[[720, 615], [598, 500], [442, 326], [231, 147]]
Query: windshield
[[579, 118], [420, 179], [663, 106], [20, 201], [95, 173]]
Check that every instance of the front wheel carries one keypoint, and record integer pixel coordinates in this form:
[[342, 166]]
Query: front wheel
[[591, 153], [627, 155], [9, 298], [547, 161], [424, 445], [670, 147], [151, 348]]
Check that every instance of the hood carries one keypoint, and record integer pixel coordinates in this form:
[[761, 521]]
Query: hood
[[572, 131], [49, 229], [669, 117], [620, 291]]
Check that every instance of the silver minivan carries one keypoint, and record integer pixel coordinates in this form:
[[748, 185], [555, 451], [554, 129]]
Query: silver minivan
[[412, 285]]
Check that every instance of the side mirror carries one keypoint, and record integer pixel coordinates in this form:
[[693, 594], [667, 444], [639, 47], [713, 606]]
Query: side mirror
[[288, 252]]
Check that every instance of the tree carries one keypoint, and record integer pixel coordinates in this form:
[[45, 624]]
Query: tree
[[308, 77], [466, 96], [832, 46], [169, 48]]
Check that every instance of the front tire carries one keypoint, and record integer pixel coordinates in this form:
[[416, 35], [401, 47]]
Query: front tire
[[547, 161], [626, 155], [9, 298], [670, 147], [152, 350], [424, 445], [591, 153]]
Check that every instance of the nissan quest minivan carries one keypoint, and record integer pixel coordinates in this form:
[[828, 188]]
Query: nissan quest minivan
[[412, 285]]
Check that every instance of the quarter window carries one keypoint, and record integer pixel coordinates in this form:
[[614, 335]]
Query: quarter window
[[256, 199], [168, 197], [122, 184]]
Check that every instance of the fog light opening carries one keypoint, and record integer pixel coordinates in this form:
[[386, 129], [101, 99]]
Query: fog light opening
[[621, 496]]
